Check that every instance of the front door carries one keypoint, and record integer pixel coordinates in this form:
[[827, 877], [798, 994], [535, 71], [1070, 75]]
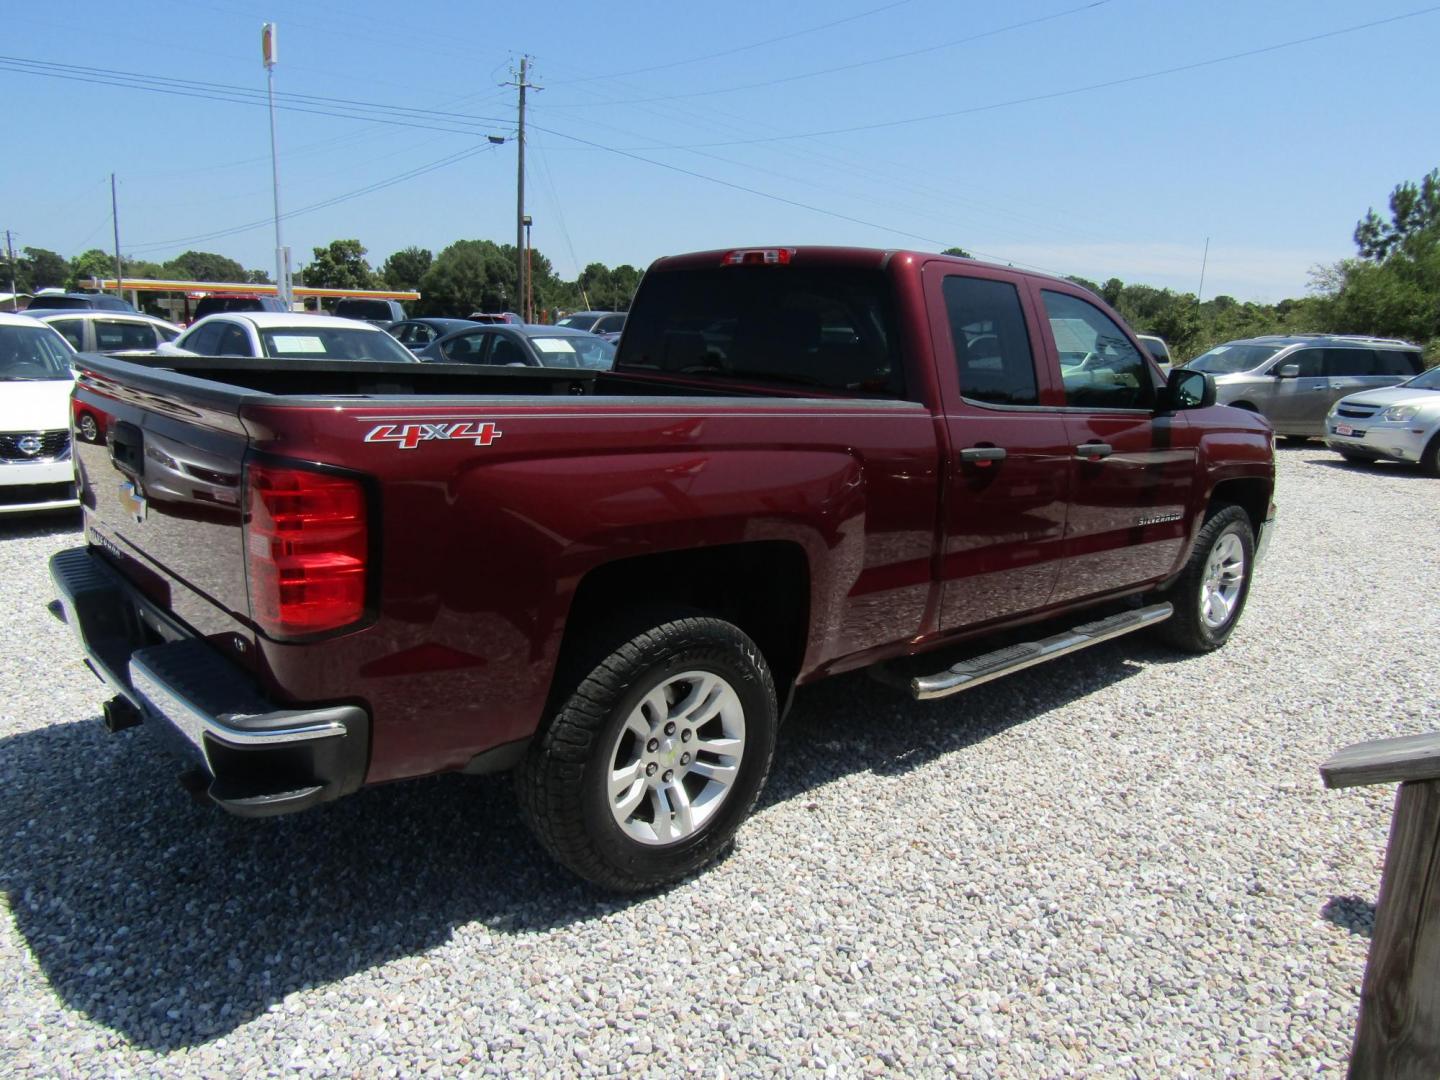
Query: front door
[[1007, 474], [1133, 469]]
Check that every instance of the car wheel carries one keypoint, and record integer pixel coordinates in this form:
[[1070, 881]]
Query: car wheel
[[1355, 459], [1430, 460], [1211, 591], [89, 429], [656, 754], [1293, 440]]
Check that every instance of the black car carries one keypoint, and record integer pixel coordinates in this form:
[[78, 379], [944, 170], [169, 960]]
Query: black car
[[527, 345], [214, 305], [415, 334], [377, 312], [89, 300]]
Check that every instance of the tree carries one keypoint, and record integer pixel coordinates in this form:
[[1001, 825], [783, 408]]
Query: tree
[[406, 267], [957, 251], [257, 277], [341, 265], [203, 266], [94, 263], [1414, 217], [470, 275], [41, 269]]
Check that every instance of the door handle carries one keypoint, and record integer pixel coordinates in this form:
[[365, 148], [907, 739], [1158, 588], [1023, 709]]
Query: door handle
[[1093, 451], [983, 455]]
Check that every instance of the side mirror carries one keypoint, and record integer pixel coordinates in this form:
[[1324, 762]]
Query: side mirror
[[1287, 371], [1186, 389]]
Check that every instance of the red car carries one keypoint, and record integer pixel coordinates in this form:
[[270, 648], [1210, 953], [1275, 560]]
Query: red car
[[323, 575]]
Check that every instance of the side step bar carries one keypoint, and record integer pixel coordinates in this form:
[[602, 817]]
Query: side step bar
[[981, 669]]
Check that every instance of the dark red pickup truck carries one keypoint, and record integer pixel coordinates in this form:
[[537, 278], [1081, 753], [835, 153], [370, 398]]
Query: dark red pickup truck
[[325, 575]]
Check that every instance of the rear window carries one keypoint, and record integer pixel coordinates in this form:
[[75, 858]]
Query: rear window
[[58, 303], [213, 305], [574, 351], [1404, 362], [333, 343], [366, 309], [829, 328], [114, 335]]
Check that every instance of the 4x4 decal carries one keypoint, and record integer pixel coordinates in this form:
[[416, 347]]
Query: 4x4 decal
[[409, 436]]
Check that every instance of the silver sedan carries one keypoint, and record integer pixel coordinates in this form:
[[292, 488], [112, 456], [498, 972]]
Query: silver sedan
[[1400, 422]]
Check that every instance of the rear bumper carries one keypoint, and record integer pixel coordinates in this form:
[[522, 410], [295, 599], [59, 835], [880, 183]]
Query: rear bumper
[[262, 758]]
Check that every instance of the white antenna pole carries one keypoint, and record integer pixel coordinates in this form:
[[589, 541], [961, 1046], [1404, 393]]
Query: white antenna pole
[[269, 47]]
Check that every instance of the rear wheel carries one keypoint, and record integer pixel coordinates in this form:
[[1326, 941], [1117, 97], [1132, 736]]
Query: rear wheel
[[655, 756], [1211, 591]]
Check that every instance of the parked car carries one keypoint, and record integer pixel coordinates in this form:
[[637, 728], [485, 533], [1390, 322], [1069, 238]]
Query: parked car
[[806, 461], [287, 336], [528, 345], [415, 334], [92, 301], [37, 471], [1293, 380], [1401, 423], [108, 331], [1158, 350], [380, 313], [491, 318], [214, 305], [597, 322]]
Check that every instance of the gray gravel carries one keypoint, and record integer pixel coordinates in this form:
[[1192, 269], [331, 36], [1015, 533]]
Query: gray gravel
[[1121, 864]]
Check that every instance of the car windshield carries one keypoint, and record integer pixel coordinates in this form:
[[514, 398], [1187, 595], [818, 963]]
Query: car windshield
[[1426, 380], [28, 354], [332, 343], [1230, 359], [570, 351], [578, 322]]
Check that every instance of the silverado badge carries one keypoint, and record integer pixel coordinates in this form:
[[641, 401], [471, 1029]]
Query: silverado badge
[[133, 496]]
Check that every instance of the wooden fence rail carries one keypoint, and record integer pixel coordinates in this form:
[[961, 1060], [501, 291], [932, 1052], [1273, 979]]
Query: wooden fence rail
[[1399, 1030]]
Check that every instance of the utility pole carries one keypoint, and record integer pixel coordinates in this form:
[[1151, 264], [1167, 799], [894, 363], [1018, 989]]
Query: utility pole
[[115, 217], [269, 50], [10, 258], [1203, 260], [520, 276]]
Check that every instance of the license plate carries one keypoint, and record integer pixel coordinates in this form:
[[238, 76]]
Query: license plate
[[1344, 429]]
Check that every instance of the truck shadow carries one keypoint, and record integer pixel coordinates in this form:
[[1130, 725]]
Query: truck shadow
[[173, 924]]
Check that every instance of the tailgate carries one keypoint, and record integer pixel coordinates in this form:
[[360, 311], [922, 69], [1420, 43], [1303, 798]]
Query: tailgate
[[160, 481]]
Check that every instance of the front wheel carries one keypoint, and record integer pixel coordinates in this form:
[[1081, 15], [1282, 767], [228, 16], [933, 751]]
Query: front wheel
[[1212, 589], [656, 755]]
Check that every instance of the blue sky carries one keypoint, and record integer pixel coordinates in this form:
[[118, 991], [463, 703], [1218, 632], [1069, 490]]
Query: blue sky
[[950, 123]]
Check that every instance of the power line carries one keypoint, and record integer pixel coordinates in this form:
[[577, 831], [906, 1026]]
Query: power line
[[741, 48], [1054, 94], [856, 64]]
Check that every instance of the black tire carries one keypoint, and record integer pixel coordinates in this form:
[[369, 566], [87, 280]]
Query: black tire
[[1356, 459], [1293, 440], [563, 785], [1188, 628], [1430, 459]]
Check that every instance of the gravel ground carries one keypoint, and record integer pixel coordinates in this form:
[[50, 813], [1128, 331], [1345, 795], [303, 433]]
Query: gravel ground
[[1119, 864]]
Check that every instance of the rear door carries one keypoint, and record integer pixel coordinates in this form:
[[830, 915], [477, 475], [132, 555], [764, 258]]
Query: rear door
[[1133, 470], [1007, 476]]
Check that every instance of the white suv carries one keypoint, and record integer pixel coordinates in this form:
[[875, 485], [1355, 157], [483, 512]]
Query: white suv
[[36, 470]]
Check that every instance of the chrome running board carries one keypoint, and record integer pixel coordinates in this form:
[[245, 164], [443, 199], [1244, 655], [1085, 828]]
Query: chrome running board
[[993, 665]]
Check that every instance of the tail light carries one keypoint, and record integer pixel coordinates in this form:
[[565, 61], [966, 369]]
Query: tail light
[[758, 257], [306, 549]]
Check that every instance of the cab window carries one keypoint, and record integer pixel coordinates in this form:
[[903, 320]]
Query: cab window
[[992, 347], [1099, 367], [72, 330]]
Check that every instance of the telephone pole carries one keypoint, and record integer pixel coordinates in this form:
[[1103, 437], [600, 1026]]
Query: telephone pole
[[10, 258], [269, 52], [115, 217], [520, 253]]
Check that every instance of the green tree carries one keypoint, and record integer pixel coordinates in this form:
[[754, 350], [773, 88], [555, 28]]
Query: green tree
[[957, 251], [40, 268], [257, 277], [1414, 219], [406, 267], [470, 275], [340, 265], [203, 266], [94, 263]]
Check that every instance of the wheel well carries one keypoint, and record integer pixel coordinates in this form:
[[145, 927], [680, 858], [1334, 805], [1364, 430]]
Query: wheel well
[[1251, 494], [1247, 406], [763, 588]]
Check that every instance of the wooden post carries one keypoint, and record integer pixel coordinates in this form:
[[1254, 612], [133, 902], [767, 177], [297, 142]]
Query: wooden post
[[1399, 1029]]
